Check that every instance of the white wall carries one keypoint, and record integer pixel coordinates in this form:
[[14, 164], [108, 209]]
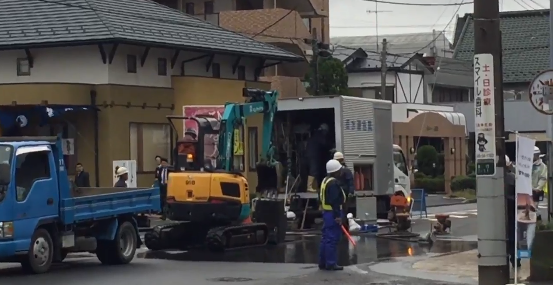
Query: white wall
[[369, 79], [406, 92], [83, 65], [409, 88]]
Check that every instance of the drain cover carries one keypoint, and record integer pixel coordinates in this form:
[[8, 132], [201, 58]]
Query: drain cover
[[231, 279]]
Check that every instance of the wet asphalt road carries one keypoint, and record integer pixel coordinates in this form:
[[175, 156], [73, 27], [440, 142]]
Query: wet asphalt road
[[287, 264]]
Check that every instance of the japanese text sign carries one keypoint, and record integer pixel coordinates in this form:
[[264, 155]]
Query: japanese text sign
[[484, 112]]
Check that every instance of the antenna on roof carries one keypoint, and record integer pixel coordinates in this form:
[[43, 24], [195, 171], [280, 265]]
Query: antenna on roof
[[376, 12]]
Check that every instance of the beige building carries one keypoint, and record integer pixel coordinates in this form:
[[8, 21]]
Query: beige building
[[284, 23], [106, 80]]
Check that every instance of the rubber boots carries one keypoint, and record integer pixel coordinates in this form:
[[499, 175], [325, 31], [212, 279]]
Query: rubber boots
[[312, 184]]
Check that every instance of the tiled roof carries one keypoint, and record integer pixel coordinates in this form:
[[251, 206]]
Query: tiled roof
[[398, 43], [51, 22], [525, 39]]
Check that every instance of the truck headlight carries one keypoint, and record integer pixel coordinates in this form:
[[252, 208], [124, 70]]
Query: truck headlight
[[6, 229]]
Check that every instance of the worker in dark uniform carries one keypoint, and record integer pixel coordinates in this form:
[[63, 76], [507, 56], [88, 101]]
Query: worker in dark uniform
[[332, 198], [511, 214], [122, 174], [346, 182], [315, 149], [163, 177]]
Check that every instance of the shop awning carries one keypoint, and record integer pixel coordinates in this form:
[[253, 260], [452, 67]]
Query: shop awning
[[9, 115]]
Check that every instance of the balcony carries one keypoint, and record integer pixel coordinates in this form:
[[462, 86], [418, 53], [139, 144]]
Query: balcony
[[306, 8], [288, 33], [288, 87]]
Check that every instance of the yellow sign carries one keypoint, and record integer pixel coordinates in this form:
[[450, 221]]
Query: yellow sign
[[238, 144]]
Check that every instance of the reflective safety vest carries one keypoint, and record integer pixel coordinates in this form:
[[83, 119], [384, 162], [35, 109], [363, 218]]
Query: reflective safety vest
[[324, 205]]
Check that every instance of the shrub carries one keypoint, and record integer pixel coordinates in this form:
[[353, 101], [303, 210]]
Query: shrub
[[419, 175], [431, 185], [463, 182], [427, 160]]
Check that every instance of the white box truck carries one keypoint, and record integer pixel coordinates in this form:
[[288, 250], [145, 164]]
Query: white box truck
[[362, 131]]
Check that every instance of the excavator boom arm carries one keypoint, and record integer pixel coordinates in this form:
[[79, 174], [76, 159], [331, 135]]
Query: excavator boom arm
[[258, 101]]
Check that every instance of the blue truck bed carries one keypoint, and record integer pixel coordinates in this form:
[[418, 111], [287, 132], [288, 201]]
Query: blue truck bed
[[98, 203]]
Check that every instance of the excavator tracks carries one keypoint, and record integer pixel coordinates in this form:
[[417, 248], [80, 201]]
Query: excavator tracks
[[181, 235], [236, 237]]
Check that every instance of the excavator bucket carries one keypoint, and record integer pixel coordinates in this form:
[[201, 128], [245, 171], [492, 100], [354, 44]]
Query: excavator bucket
[[267, 178]]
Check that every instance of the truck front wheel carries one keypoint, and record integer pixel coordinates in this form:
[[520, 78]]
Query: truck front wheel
[[41, 253], [121, 250]]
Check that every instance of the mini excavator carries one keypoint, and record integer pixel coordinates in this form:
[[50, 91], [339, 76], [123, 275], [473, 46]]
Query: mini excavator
[[210, 204]]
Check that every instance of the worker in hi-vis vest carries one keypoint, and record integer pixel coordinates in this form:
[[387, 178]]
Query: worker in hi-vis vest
[[332, 197]]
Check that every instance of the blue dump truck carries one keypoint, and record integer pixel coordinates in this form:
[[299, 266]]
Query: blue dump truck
[[43, 217]]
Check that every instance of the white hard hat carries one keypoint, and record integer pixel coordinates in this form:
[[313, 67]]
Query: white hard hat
[[507, 161], [338, 155], [121, 171], [538, 151], [332, 166]]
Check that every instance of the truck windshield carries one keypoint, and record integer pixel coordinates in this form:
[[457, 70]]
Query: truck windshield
[[399, 161], [6, 153]]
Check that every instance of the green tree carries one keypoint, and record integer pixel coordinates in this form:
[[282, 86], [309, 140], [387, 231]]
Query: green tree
[[333, 78], [427, 160]]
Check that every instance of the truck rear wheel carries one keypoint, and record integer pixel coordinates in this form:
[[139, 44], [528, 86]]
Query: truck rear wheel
[[122, 249], [41, 253]]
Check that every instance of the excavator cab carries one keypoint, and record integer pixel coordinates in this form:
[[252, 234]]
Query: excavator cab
[[196, 150]]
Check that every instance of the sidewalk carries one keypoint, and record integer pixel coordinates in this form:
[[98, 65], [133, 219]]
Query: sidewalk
[[461, 265]]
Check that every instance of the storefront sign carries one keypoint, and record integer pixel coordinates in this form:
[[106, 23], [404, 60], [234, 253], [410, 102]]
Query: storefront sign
[[484, 111], [358, 125]]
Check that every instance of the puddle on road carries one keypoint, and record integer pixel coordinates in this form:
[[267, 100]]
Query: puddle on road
[[306, 249]]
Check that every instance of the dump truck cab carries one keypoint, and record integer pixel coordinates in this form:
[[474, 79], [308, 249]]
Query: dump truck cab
[[30, 184], [43, 217]]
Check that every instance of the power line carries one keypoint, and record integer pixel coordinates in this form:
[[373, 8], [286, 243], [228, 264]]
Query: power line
[[442, 32], [390, 26], [419, 4]]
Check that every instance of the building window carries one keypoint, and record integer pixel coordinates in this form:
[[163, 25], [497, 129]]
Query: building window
[[241, 72], [208, 8], [253, 151], [216, 70], [162, 66], [131, 63], [146, 142], [307, 22], [189, 8], [23, 67]]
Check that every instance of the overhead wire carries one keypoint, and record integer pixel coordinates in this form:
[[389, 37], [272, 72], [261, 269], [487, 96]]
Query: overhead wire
[[419, 4], [436, 72]]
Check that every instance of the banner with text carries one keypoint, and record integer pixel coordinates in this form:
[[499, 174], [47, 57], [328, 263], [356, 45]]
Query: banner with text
[[526, 210]]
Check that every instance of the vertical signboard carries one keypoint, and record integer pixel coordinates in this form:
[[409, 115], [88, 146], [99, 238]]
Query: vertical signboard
[[484, 111]]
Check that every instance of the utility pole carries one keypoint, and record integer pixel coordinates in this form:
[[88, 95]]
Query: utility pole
[[493, 268], [315, 60], [319, 50], [550, 127], [384, 68]]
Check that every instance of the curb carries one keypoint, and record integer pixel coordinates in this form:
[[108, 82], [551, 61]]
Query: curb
[[461, 202]]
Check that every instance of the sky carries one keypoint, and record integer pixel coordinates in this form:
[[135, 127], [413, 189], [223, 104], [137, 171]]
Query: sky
[[357, 17]]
